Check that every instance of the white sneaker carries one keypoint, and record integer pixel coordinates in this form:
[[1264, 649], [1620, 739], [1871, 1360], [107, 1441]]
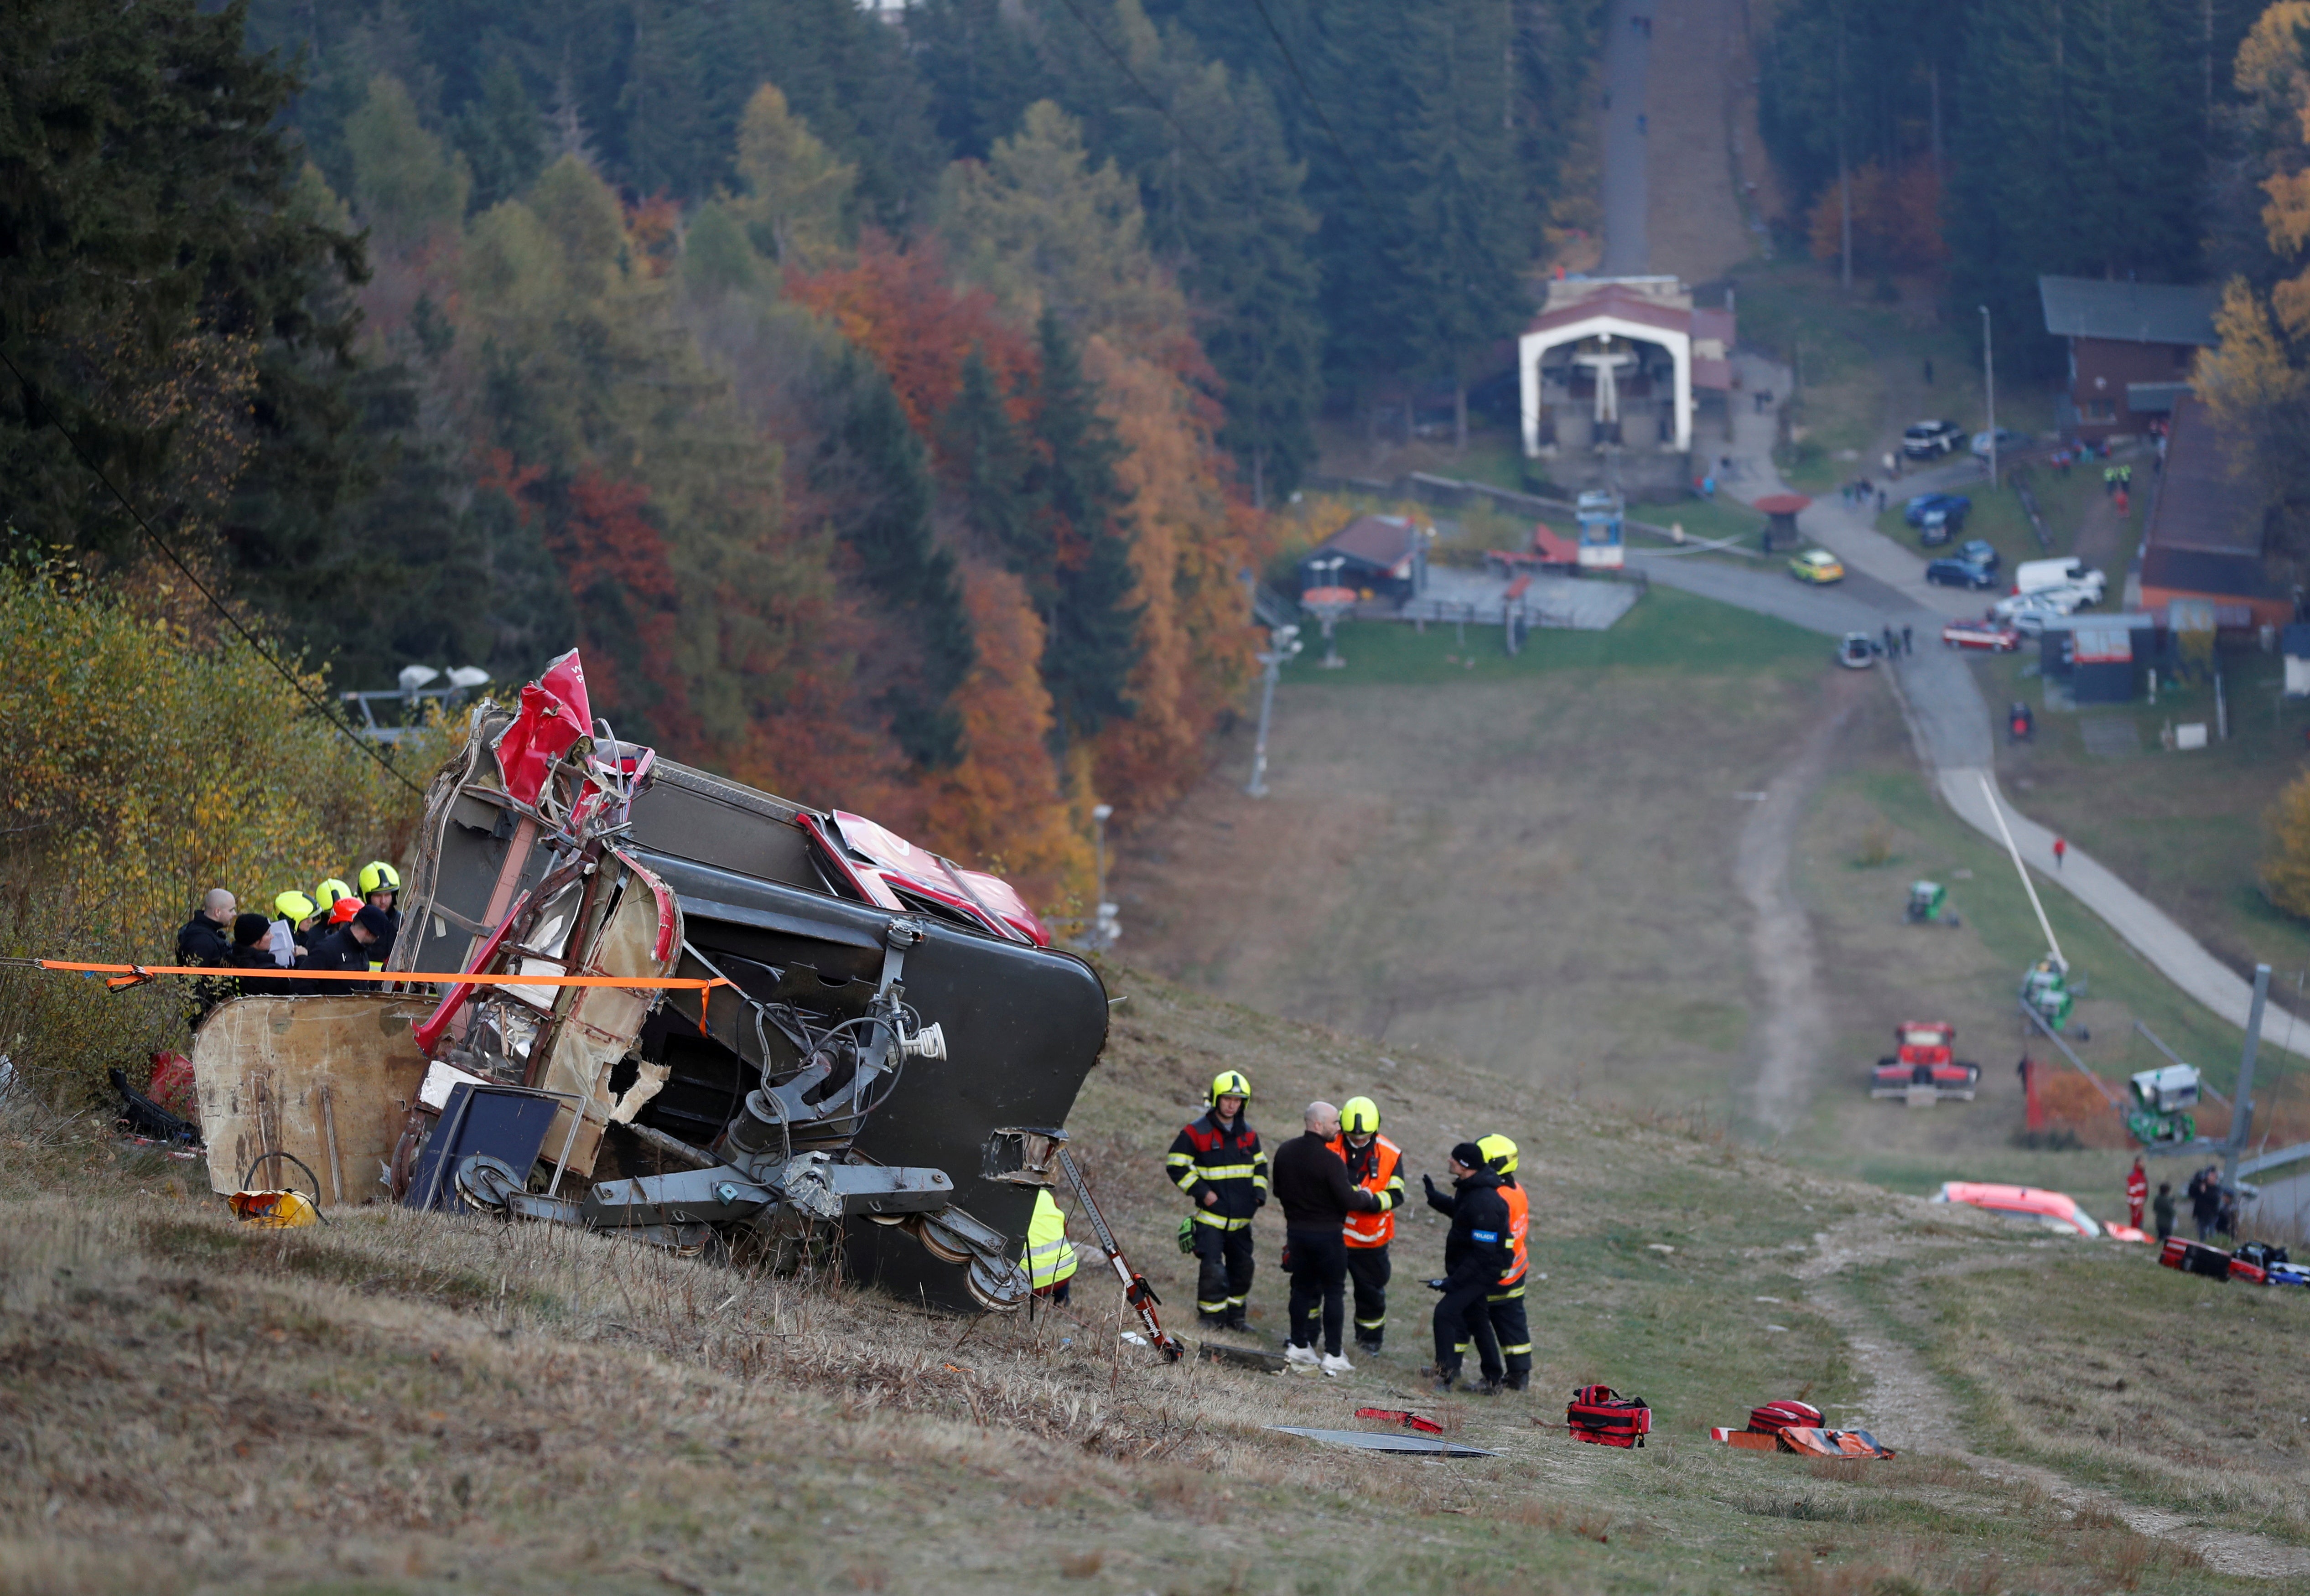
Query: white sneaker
[[1293, 1352], [1334, 1364]]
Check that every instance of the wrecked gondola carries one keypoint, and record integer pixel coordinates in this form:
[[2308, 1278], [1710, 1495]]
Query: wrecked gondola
[[832, 1038]]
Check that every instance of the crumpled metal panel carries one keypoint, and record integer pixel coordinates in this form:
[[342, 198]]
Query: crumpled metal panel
[[327, 1079]]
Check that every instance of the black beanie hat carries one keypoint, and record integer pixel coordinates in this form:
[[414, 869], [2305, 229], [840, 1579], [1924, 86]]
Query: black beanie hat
[[1468, 1154], [248, 929], [372, 920]]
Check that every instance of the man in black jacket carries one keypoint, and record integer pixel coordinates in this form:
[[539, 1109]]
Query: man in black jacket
[[1476, 1253], [205, 940], [346, 948], [1312, 1183]]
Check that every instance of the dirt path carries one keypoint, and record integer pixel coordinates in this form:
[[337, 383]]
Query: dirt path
[[1790, 1035], [1909, 1410]]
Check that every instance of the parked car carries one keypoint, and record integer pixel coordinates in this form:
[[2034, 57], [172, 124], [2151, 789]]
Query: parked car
[[1955, 570], [2008, 440], [2055, 1210], [1817, 566], [2046, 601], [1982, 634], [2030, 615], [1939, 527], [1980, 552], [1917, 508], [2066, 570], [1857, 651], [1928, 440]]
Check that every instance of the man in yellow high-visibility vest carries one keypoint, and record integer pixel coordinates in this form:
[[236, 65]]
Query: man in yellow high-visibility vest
[[1050, 1260]]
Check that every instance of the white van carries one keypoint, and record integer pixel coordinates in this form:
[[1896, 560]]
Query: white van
[[2036, 576]]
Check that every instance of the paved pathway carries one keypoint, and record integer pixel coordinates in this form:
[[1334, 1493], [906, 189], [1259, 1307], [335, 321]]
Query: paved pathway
[[1947, 717], [1626, 56]]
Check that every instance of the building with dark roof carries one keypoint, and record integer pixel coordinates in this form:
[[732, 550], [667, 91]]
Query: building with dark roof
[[2131, 346], [1385, 555], [2203, 546]]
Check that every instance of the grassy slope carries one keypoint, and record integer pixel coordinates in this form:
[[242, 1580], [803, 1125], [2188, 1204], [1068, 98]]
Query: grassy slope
[[398, 1402]]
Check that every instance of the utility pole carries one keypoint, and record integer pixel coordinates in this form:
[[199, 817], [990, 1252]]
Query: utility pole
[[1989, 381], [1104, 928], [2241, 1107], [1283, 644]]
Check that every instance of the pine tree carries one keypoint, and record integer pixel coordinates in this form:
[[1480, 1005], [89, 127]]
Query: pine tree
[[876, 472], [989, 466], [1460, 242], [166, 300], [1093, 628], [502, 138]]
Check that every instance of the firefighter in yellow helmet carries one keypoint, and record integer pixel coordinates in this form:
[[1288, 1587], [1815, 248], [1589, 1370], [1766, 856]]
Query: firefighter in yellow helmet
[[1050, 1260], [381, 890], [1504, 1301], [1377, 1164], [1218, 1162]]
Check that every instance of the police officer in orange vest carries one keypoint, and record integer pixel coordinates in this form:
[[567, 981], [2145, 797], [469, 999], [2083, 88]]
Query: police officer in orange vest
[[1377, 1164]]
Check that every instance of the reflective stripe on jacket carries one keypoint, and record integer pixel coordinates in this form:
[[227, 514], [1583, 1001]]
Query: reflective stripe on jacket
[[1050, 1255], [1229, 1163], [1519, 1224], [1379, 1170]]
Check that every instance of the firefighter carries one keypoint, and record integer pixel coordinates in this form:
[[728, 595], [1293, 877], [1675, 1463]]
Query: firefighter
[[1505, 1302], [1050, 1258], [295, 918], [381, 890], [1218, 1162], [1377, 1164], [2137, 1193], [1476, 1254]]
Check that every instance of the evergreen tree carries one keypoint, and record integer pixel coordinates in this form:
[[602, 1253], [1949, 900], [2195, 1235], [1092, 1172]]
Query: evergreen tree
[[875, 471], [2074, 155], [1457, 260], [982, 71], [501, 137], [1092, 640], [166, 301], [1221, 195], [989, 466]]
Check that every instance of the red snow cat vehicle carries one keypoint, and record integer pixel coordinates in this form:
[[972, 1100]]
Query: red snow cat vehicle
[[1926, 1069]]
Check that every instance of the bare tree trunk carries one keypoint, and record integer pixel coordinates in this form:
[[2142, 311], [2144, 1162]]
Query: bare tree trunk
[[1460, 408], [1258, 479]]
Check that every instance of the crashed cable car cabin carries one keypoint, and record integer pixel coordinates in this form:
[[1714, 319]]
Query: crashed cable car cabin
[[885, 1068]]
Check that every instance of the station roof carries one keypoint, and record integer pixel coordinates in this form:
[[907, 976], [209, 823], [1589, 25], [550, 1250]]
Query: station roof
[[2130, 312]]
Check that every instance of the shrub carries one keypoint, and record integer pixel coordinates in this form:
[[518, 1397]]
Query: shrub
[[146, 765]]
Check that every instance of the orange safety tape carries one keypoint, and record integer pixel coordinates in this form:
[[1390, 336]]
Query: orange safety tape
[[128, 975]]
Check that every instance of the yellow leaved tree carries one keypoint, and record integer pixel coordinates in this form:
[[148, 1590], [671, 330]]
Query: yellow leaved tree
[[146, 765]]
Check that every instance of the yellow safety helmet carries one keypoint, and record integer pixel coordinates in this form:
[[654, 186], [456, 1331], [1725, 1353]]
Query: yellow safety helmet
[[1360, 1118], [377, 876], [295, 908], [330, 893], [1230, 1083], [1499, 1154]]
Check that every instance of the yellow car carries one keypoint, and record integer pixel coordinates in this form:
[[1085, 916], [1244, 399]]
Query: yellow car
[[1816, 566]]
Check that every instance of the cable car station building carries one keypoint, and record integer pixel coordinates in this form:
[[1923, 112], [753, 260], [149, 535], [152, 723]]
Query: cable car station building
[[1620, 366]]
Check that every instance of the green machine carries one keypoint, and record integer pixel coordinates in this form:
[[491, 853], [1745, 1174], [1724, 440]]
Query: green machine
[[2162, 1101], [1929, 904], [2045, 990]]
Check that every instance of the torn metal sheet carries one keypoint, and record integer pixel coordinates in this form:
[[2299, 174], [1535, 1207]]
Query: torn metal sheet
[[1384, 1441], [327, 1079]]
